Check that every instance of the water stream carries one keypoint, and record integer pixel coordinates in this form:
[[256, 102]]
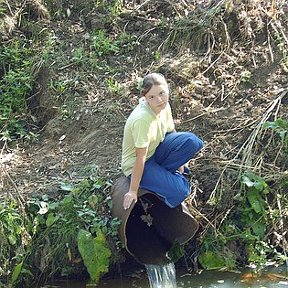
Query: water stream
[[162, 275], [165, 277]]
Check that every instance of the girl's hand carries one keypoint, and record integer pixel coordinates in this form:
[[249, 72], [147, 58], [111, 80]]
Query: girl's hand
[[181, 169], [129, 197]]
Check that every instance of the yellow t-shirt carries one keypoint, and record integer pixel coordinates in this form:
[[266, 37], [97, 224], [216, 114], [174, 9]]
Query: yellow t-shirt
[[144, 128]]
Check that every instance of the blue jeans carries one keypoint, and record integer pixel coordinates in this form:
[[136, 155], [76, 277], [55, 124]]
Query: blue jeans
[[160, 171]]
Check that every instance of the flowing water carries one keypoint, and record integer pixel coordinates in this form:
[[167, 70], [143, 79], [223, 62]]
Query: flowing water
[[162, 275]]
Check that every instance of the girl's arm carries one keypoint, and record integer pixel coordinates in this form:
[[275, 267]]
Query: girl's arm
[[136, 176]]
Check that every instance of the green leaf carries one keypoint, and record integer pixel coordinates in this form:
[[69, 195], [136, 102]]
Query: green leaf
[[53, 205], [12, 239], [66, 187], [256, 201], [247, 181], [269, 124], [95, 253], [176, 251], [93, 201], [51, 219], [16, 272], [259, 229], [210, 260], [252, 180], [282, 134], [97, 185]]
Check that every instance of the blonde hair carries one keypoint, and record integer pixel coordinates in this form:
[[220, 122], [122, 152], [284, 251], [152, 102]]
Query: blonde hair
[[152, 79]]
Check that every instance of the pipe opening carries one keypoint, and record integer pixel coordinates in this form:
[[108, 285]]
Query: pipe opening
[[145, 239]]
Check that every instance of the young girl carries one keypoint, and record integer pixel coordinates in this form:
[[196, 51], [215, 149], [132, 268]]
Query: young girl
[[153, 154]]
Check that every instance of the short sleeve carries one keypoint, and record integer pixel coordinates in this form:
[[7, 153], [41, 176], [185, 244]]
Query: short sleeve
[[140, 132], [169, 119]]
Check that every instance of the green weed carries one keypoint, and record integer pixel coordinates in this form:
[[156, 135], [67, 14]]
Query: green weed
[[79, 55], [2, 9], [20, 61], [95, 253], [102, 45], [16, 232], [83, 208], [112, 8], [48, 47], [282, 46], [157, 55], [126, 42], [245, 76], [246, 224], [280, 126], [215, 254], [15, 86], [59, 87], [114, 87], [66, 8], [66, 92], [253, 216], [48, 238]]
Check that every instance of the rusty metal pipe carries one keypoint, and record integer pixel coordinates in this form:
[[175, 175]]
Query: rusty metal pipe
[[149, 228]]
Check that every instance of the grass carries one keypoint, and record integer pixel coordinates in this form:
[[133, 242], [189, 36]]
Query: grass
[[16, 86]]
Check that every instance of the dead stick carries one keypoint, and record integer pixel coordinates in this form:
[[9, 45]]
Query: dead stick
[[202, 114]]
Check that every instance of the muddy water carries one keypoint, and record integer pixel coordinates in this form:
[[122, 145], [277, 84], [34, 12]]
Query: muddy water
[[270, 278]]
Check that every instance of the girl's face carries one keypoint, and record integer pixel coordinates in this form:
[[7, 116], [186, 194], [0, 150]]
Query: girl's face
[[157, 97]]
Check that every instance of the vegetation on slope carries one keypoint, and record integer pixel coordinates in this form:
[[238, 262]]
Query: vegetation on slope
[[226, 62]]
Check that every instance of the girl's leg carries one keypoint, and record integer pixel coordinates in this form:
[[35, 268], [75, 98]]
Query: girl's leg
[[172, 187], [160, 175], [177, 149]]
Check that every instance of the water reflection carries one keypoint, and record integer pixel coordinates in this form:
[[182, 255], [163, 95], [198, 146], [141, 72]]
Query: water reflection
[[208, 279], [272, 278]]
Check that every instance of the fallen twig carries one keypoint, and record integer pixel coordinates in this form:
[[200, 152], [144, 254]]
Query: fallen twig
[[202, 114]]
